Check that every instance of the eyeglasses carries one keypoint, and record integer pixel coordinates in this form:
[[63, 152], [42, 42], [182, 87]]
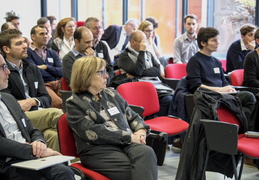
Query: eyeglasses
[[148, 31], [70, 27], [4, 67], [102, 73]]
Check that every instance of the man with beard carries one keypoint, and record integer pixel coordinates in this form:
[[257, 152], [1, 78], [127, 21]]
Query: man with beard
[[83, 38], [185, 46]]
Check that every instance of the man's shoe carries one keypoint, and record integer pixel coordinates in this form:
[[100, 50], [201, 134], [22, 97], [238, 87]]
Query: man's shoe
[[250, 162], [177, 145]]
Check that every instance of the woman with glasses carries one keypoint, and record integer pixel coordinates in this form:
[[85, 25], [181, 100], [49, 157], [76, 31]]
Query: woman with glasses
[[147, 28], [64, 40], [110, 136]]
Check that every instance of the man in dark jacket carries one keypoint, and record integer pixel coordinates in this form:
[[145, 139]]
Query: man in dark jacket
[[20, 140]]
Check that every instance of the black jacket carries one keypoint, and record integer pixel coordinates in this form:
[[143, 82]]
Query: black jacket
[[193, 153]]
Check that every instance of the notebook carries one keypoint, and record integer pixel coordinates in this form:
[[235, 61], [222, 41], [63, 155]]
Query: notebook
[[41, 163]]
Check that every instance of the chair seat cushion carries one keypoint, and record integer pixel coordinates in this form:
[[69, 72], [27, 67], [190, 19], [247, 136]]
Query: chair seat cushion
[[171, 126], [248, 146], [92, 174]]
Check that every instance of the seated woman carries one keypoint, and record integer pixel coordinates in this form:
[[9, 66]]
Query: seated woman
[[110, 136]]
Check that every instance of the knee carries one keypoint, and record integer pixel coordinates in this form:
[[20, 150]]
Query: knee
[[62, 172]]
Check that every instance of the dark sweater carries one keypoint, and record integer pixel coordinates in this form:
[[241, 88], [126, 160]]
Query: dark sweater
[[207, 70], [251, 70], [53, 62], [235, 56]]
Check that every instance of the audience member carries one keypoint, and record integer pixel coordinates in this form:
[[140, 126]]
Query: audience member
[[21, 141], [101, 49], [48, 61], [137, 62], [53, 24], [155, 23], [185, 46], [251, 65], [13, 18], [7, 25], [117, 37], [240, 48], [64, 41], [147, 28], [43, 21], [27, 86], [110, 136], [83, 47], [204, 70]]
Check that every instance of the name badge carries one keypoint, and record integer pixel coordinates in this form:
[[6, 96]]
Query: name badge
[[216, 70], [100, 55], [113, 111], [50, 60], [23, 121], [36, 84]]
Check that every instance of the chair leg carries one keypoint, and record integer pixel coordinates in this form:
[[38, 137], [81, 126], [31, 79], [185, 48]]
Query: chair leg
[[241, 166], [234, 166], [205, 165]]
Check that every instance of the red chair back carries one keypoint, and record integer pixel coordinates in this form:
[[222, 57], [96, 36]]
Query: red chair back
[[64, 84], [80, 23], [141, 94], [226, 116], [224, 64], [66, 138], [176, 71], [237, 77]]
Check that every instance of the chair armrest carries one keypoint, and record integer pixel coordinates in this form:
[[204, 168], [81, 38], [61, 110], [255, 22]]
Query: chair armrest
[[137, 109], [171, 82]]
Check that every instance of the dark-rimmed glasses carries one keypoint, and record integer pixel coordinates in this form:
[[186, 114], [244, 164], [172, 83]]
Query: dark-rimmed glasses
[[102, 73], [4, 67]]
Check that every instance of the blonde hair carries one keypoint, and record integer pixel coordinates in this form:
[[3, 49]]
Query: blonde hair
[[83, 71], [144, 24]]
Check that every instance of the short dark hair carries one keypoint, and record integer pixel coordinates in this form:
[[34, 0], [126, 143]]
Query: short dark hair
[[42, 21], [246, 29], [153, 20], [51, 19], [6, 37], [11, 16], [205, 33], [78, 32], [6, 25], [33, 29], [192, 16]]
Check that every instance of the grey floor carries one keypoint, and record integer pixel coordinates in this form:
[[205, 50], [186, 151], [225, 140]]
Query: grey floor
[[169, 168]]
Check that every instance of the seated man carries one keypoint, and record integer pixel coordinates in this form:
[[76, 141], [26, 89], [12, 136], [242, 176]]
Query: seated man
[[27, 86], [48, 61], [21, 141], [137, 62], [251, 65], [83, 38], [204, 70], [240, 48]]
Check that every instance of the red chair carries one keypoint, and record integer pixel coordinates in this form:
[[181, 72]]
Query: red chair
[[144, 94], [238, 144], [224, 64], [237, 77], [64, 85], [68, 147], [176, 71], [80, 23]]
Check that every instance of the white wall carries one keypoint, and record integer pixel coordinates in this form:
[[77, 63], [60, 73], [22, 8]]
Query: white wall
[[59, 8], [28, 10]]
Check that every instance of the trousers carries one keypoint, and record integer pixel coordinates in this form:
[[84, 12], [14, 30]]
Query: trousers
[[46, 120]]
